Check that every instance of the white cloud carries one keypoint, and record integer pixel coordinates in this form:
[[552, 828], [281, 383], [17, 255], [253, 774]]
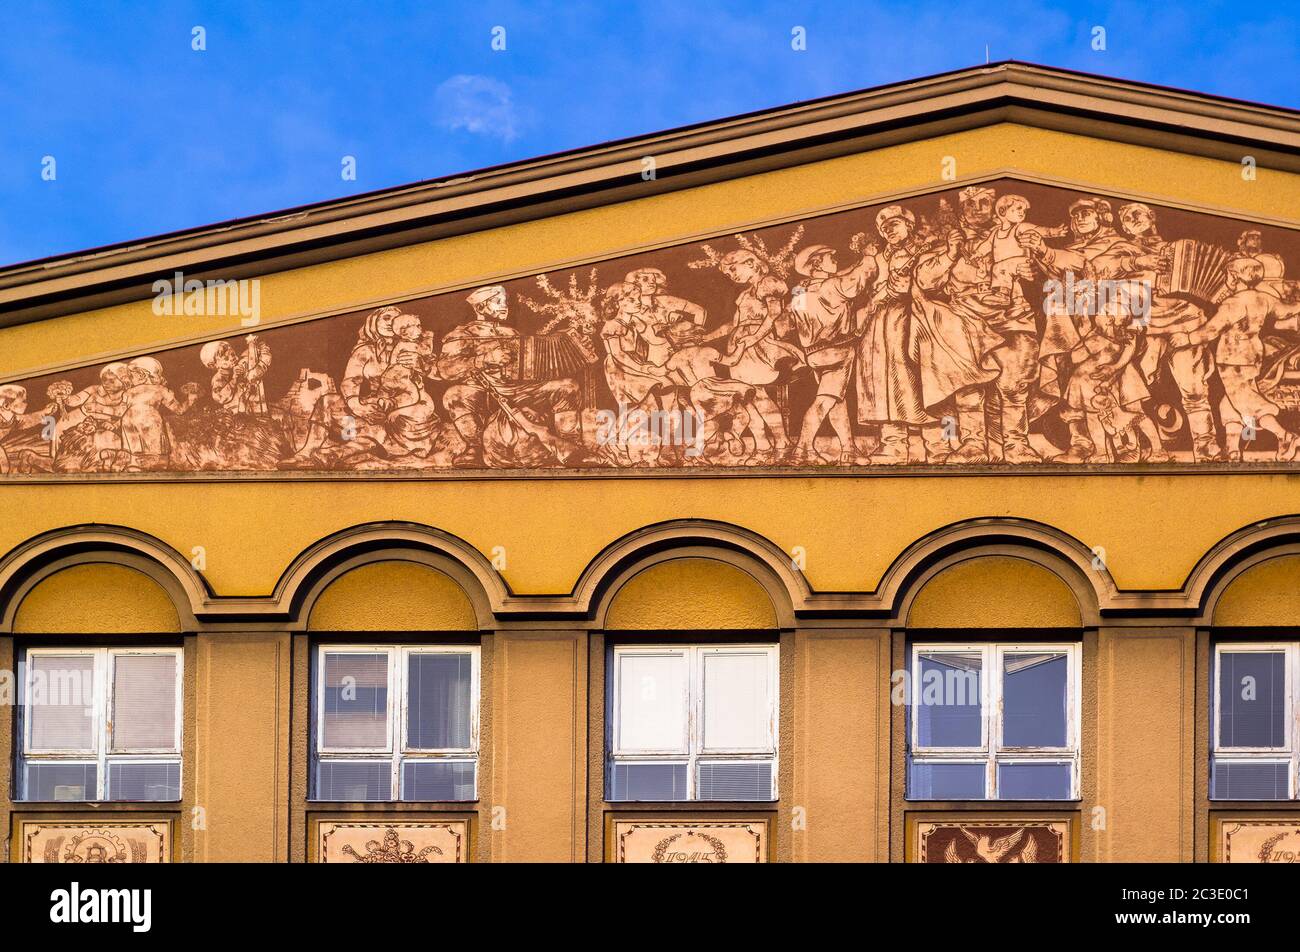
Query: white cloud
[[479, 105]]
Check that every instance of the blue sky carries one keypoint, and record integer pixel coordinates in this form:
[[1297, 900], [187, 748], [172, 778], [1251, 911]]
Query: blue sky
[[149, 135]]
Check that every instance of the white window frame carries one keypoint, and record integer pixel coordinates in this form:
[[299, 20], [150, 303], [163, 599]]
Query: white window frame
[[693, 752], [992, 752], [102, 756], [394, 753], [1288, 754]]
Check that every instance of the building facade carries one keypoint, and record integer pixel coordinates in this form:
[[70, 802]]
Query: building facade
[[907, 476]]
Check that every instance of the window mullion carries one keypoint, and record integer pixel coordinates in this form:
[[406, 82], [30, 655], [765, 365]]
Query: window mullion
[[694, 719], [103, 706], [397, 665], [993, 714]]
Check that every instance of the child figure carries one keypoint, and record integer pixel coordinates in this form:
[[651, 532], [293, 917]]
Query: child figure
[[237, 382], [414, 347], [1109, 390], [1009, 257], [712, 398], [412, 423], [146, 435], [14, 417]]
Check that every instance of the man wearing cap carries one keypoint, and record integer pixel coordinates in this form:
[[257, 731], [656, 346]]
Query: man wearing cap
[[1166, 322], [822, 305], [888, 371], [954, 339], [481, 356], [1096, 251], [1251, 244]]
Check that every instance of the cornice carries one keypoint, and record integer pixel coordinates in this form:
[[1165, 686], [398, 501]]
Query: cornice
[[1101, 603]]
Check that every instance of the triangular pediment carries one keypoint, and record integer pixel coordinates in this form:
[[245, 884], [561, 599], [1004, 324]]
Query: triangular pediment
[[980, 323]]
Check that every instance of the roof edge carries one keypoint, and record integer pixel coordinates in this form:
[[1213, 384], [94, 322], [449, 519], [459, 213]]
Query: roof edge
[[685, 157]]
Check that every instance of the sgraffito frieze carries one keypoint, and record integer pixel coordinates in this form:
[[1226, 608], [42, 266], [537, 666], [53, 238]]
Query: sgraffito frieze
[[1007, 322]]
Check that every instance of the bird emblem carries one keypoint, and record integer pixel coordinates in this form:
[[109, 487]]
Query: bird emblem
[[991, 850]]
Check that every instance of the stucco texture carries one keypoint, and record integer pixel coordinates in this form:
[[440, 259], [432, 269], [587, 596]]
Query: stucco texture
[[691, 594], [97, 598], [393, 596]]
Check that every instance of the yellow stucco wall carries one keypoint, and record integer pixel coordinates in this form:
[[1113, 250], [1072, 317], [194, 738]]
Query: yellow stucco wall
[[97, 598], [1145, 728], [241, 749], [851, 529], [686, 594], [393, 596], [539, 747], [841, 746], [995, 592], [1265, 594]]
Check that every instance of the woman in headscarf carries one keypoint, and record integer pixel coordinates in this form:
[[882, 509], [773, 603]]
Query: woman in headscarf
[[371, 356]]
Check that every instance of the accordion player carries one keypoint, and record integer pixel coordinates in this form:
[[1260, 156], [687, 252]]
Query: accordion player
[[557, 356], [552, 357], [1196, 270]]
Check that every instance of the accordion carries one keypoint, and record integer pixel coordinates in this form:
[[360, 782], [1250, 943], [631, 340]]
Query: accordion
[[552, 357], [1196, 269]]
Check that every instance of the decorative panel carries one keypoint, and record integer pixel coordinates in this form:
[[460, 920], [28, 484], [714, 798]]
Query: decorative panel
[[973, 838], [370, 841], [689, 841], [94, 841], [1256, 839], [1008, 322]]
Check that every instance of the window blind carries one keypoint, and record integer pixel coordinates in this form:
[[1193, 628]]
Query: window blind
[[61, 702], [144, 702]]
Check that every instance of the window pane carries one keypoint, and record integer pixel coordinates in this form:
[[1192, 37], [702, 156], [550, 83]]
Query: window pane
[[1252, 699], [144, 702], [930, 781], [60, 702], [737, 702], [1249, 781], [748, 781], [61, 782], [356, 700], [1046, 781], [365, 780], [1034, 700], [948, 708], [652, 702], [648, 782], [144, 781], [438, 701], [438, 780]]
